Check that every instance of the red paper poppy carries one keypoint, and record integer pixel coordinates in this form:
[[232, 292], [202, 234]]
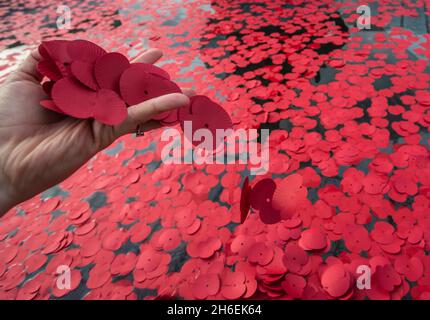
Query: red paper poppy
[[336, 281], [83, 72], [203, 113], [137, 86], [75, 100], [313, 239], [260, 253], [206, 285], [245, 200], [83, 50], [294, 285], [289, 195], [233, 284], [123, 264], [108, 69], [262, 193]]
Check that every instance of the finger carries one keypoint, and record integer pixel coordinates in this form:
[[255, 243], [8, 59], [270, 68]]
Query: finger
[[189, 92], [149, 56], [145, 111], [28, 69]]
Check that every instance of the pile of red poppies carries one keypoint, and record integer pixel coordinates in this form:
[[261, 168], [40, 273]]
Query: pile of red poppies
[[84, 81]]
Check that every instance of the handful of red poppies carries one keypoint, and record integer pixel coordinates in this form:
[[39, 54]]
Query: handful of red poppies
[[84, 81]]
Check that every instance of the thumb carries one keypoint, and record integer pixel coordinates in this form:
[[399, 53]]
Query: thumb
[[142, 113], [27, 70]]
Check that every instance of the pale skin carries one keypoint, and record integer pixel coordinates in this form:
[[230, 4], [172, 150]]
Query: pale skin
[[40, 148]]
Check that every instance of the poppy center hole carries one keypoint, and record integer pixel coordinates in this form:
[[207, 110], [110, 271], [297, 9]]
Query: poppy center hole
[[145, 91]]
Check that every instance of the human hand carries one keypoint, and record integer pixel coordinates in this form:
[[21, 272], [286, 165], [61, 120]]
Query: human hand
[[40, 148]]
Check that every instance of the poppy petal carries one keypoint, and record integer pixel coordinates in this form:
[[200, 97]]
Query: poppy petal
[[73, 98], [84, 50], [108, 69], [109, 108], [49, 69], [83, 72], [137, 86]]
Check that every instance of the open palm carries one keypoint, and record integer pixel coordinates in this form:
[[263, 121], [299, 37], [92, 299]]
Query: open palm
[[40, 148]]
